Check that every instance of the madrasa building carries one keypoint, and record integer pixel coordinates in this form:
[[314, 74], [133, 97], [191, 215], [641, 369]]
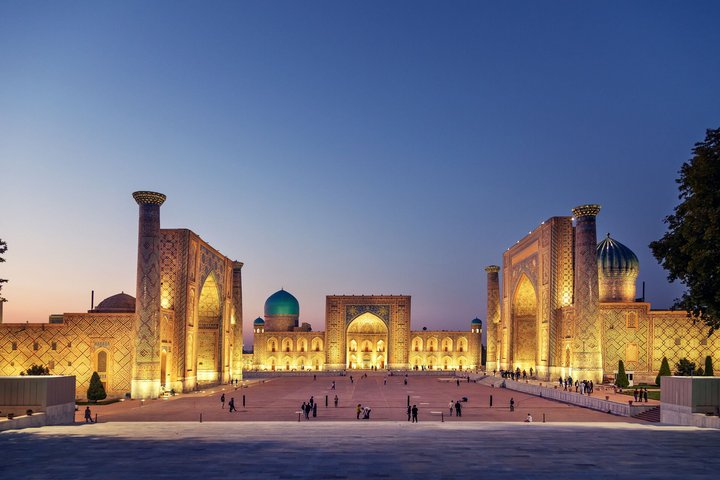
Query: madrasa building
[[182, 331], [567, 307], [362, 332]]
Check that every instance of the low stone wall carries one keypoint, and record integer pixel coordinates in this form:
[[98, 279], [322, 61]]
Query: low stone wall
[[593, 402], [682, 415], [25, 421], [355, 373]]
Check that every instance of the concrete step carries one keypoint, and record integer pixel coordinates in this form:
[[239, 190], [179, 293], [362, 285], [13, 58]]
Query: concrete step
[[652, 415]]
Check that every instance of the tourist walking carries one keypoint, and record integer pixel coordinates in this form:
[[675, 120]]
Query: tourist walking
[[232, 405], [512, 404], [451, 405], [414, 414], [332, 387], [458, 409], [222, 400], [308, 407], [88, 415]]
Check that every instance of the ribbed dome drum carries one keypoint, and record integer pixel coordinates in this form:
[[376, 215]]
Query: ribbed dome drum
[[618, 269]]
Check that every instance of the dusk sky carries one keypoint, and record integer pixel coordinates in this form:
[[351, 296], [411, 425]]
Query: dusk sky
[[340, 147]]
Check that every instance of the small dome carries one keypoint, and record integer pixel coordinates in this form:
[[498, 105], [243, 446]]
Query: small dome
[[282, 303], [616, 260], [120, 303], [259, 321], [476, 321]]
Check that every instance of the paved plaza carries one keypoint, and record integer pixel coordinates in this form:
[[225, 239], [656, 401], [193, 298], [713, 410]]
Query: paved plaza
[[279, 399], [359, 450]]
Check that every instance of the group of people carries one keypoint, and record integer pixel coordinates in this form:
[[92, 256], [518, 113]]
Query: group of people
[[517, 374], [311, 406], [457, 406], [231, 403], [640, 394], [364, 411], [582, 387]]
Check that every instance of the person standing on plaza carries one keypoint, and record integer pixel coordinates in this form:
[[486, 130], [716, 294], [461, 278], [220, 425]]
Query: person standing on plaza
[[88, 415], [222, 400], [635, 394], [512, 404], [232, 405], [458, 409], [414, 414], [358, 409], [645, 394], [451, 405], [314, 409], [409, 412], [336, 401]]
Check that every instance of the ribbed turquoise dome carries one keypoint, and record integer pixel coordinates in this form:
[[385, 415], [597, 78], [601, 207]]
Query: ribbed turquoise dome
[[616, 260], [476, 321], [282, 303], [259, 321]]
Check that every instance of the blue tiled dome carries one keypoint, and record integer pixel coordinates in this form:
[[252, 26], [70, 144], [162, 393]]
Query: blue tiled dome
[[259, 321], [282, 303], [476, 321], [616, 260]]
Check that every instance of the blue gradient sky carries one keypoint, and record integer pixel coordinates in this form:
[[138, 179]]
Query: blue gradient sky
[[337, 147]]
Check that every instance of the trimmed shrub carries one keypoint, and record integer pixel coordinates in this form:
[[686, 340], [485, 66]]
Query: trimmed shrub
[[622, 379], [96, 391], [685, 367], [709, 367], [664, 371]]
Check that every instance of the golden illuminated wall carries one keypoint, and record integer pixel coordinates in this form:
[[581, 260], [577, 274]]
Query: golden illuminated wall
[[494, 334], [444, 350], [289, 351], [204, 334], [72, 348], [393, 310]]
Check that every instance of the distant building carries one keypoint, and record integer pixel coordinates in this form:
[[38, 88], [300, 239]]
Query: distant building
[[361, 333], [567, 307], [184, 329]]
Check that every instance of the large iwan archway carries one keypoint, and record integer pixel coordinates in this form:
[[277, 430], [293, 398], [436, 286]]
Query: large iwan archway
[[208, 334], [367, 340], [524, 325]]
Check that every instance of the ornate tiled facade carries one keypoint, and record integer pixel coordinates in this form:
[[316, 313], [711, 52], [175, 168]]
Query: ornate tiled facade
[[184, 329], [364, 332], [552, 320]]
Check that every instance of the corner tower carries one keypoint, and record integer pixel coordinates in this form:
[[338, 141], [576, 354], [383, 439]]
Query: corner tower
[[492, 362], [587, 351], [146, 366]]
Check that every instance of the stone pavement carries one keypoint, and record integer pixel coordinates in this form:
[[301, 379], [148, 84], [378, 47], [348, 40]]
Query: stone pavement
[[279, 399], [359, 450]]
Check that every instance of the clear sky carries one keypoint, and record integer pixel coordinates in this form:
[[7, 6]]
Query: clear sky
[[340, 147]]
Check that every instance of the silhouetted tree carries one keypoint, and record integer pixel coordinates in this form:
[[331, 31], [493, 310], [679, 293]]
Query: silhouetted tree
[[96, 391], [709, 367], [36, 370], [664, 371], [689, 249], [685, 367]]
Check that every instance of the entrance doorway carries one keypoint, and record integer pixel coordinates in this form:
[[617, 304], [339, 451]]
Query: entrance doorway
[[367, 338]]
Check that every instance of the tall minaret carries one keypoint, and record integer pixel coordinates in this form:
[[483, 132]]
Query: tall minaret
[[146, 367], [237, 355], [587, 353], [492, 361]]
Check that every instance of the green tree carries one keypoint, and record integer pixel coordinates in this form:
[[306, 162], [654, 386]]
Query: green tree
[[622, 378], [709, 367], [688, 250], [3, 249], [664, 371], [96, 391], [685, 367], [36, 370]]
